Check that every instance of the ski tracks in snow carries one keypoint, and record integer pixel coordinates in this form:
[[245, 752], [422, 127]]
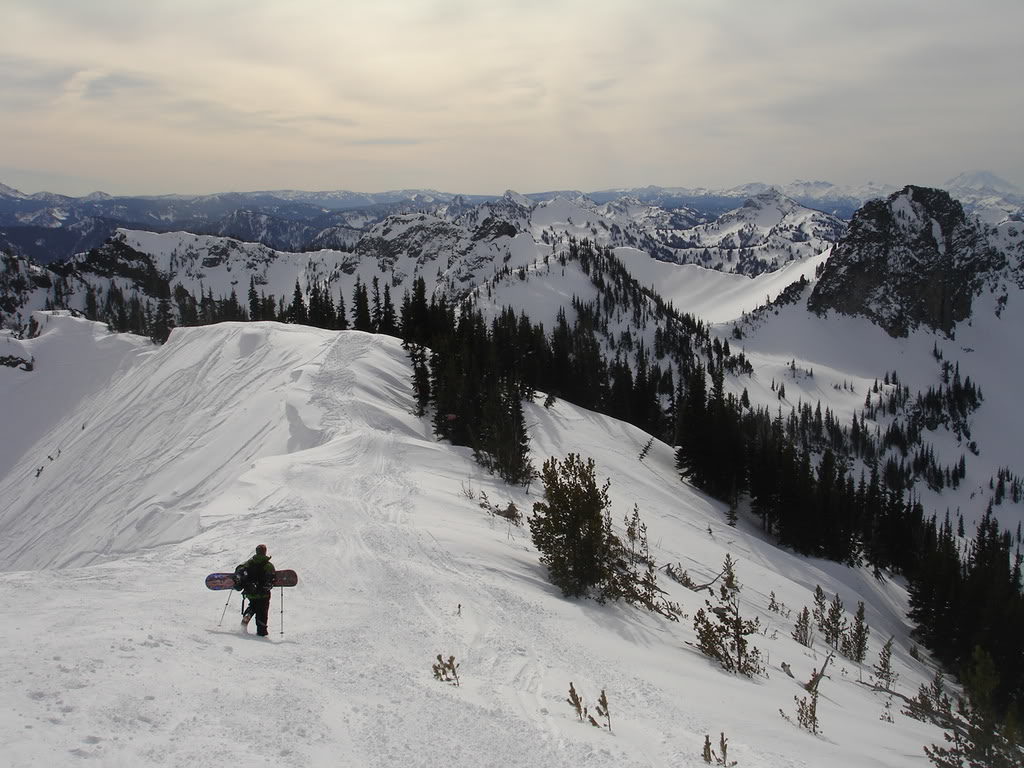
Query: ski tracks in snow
[[382, 596]]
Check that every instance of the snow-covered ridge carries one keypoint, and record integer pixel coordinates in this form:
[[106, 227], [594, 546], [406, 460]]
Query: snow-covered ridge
[[202, 434]]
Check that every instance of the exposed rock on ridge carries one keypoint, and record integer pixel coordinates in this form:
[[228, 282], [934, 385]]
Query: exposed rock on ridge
[[911, 260]]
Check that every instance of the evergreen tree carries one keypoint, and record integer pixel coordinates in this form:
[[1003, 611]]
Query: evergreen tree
[[694, 430], [722, 631], [571, 526], [163, 321], [634, 577], [803, 632], [834, 626], [414, 315], [341, 318], [255, 308], [885, 676], [268, 307], [510, 441], [820, 607], [420, 377], [297, 311], [91, 308], [361, 320], [388, 320], [376, 311], [855, 642], [978, 739]]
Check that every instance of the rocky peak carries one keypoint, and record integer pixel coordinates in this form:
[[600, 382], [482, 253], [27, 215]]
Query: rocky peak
[[521, 201], [910, 260]]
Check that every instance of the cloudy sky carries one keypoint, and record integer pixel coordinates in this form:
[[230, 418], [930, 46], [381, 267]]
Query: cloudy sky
[[479, 96]]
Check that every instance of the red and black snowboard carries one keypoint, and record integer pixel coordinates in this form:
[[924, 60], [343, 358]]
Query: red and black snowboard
[[284, 578]]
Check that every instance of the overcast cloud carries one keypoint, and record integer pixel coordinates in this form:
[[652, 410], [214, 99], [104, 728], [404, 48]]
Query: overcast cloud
[[480, 96]]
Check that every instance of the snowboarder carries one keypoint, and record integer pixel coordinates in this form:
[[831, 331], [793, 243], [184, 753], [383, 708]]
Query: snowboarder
[[255, 578]]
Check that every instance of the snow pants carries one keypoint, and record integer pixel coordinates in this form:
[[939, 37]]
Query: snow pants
[[259, 607]]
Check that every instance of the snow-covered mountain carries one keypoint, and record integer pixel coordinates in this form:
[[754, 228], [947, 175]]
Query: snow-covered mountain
[[987, 196], [177, 461], [299, 220], [982, 182], [33, 224], [981, 192], [456, 246], [766, 233]]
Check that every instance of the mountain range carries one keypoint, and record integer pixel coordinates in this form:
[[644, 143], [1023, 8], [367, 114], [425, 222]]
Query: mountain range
[[51, 227]]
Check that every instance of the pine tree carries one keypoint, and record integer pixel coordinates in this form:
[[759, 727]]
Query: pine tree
[[855, 641], [885, 677], [803, 632], [570, 528], [820, 607], [341, 318], [834, 625], [420, 377], [297, 310], [633, 575], [978, 740], [376, 312], [90, 302], [512, 447], [722, 631], [694, 429], [361, 320], [388, 320], [163, 322], [255, 309]]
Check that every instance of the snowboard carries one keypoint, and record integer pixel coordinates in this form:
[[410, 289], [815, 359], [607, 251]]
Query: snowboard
[[227, 580]]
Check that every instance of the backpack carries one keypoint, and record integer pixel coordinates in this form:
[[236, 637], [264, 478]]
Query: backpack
[[253, 579]]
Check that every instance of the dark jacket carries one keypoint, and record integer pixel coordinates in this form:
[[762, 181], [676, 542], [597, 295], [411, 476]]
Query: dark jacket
[[256, 577]]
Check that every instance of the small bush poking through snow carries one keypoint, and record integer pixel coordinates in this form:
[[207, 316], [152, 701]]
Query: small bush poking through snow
[[723, 746], [583, 713]]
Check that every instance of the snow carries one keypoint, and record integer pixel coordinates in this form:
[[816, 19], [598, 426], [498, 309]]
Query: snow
[[238, 434], [716, 297], [75, 361], [940, 241]]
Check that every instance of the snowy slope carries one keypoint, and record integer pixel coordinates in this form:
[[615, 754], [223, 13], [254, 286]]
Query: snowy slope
[[714, 296], [74, 361], [237, 434], [849, 354]]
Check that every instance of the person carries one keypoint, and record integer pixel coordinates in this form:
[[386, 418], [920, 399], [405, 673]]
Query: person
[[255, 578]]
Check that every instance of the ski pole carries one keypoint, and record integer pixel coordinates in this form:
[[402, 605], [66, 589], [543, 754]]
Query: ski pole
[[282, 610], [224, 612]]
